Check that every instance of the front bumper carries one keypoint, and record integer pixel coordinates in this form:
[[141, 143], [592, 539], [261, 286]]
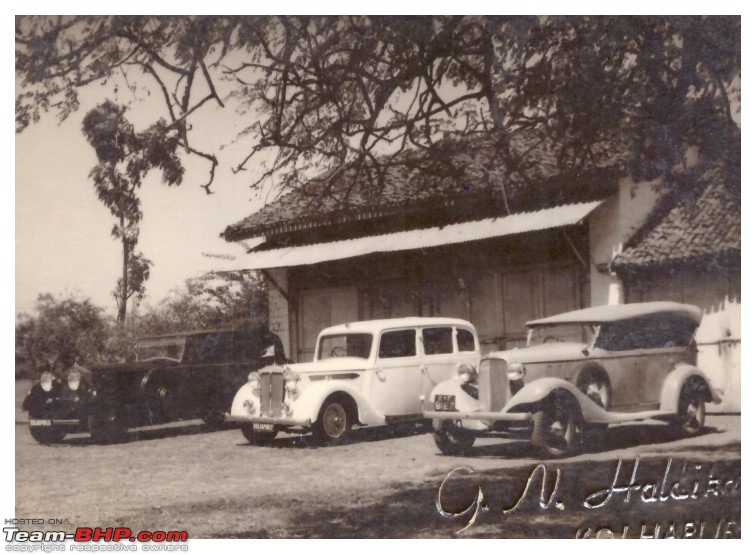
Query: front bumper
[[478, 415], [278, 422]]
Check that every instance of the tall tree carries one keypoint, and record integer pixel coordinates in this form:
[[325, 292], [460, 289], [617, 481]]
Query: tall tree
[[334, 94], [124, 159]]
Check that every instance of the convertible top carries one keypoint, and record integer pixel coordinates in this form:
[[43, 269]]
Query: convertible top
[[613, 313]]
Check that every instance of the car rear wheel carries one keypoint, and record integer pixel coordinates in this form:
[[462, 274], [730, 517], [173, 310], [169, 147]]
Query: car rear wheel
[[691, 409], [47, 434], [595, 385], [555, 429], [256, 437], [451, 440], [333, 422]]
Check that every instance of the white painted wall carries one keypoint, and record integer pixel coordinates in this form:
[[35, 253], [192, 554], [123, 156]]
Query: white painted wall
[[610, 227]]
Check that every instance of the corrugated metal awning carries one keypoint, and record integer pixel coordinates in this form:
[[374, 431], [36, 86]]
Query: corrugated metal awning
[[559, 216]]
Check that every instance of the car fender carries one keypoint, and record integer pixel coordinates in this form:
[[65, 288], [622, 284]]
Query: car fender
[[530, 398], [307, 403], [463, 401], [675, 381]]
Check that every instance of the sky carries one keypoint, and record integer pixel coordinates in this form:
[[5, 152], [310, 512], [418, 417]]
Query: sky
[[63, 241]]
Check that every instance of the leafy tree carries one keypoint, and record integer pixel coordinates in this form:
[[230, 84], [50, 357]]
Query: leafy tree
[[221, 301], [124, 159], [350, 95], [61, 331]]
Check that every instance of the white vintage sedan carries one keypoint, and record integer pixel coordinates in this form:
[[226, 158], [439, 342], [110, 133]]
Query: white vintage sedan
[[581, 370], [364, 374]]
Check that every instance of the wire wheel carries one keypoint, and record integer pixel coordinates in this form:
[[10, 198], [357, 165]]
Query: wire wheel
[[691, 409], [595, 386], [555, 429], [451, 440]]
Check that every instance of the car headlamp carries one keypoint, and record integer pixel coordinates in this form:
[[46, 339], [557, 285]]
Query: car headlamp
[[46, 381], [467, 373], [74, 380], [515, 371], [253, 379], [291, 379]]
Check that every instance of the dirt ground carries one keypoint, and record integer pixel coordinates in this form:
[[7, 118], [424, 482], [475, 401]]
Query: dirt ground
[[381, 483]]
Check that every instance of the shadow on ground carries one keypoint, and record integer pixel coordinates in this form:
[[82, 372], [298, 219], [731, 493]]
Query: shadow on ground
[[411, 510]]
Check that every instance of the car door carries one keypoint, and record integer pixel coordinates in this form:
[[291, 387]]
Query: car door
[[396, 384]]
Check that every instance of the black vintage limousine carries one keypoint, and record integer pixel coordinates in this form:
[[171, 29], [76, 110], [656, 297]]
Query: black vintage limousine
[[182, 376]]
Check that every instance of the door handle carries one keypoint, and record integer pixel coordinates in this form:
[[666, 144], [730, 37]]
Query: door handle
[[379, 374]]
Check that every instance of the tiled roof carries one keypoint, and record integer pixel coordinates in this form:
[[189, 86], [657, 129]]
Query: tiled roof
[[416, 185], [701, 227]]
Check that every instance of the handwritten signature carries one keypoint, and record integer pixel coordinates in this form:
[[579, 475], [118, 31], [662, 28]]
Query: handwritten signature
[[693, 481]]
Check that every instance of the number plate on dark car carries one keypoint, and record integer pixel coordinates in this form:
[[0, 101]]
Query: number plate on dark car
[[444, 403]]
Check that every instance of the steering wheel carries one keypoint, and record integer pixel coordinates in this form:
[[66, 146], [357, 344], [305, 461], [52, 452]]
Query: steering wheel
[[338, 351], [551, 339]]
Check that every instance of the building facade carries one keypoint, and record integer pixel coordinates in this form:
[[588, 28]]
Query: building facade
[[467, 256]]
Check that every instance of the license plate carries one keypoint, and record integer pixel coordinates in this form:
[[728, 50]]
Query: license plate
[[444, 403], [262, 427], [35, 422]]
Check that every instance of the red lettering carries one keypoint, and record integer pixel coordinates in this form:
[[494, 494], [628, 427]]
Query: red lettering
[[100, 534], [83, 535], [121, 533]]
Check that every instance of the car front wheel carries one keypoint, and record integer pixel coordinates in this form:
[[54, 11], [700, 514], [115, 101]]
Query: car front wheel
[[451, 440], [47, 434], [256, 437], [555, 429], [333, 422]]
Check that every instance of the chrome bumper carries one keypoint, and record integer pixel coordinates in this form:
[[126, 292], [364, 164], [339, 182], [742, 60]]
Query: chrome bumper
[[283, 422], [477, 415]]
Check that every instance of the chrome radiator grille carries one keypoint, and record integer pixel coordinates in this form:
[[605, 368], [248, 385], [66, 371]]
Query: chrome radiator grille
[[494, 384], [271, 394]]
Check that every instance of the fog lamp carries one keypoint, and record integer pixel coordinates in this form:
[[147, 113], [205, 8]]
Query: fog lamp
[[249, 406]]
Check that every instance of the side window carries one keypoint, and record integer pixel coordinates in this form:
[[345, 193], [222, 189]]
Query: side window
[[465, 340], [396, 344], [437, 341], [646, 333]]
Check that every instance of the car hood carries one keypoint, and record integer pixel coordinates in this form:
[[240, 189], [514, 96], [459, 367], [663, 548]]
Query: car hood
[[542, 353], [330, 365]]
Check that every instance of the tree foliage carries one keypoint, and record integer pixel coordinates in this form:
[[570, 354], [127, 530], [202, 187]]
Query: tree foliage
[[124, 158], [61, 331], [324, 95]]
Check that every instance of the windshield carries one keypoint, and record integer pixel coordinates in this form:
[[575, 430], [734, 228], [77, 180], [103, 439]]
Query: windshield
[[560, 333], [345, 345], [151, 349]]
